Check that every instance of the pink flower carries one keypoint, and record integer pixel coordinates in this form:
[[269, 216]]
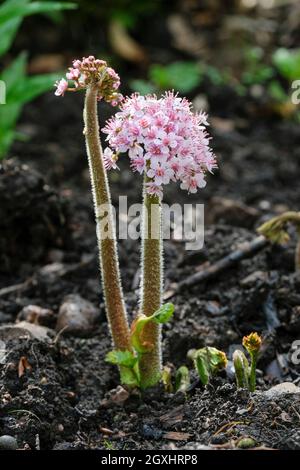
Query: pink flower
[[138, 162], [73, 74], [91, 71], [61, 87], [192, 183], [164, 139], [110, 159], [160, 174]]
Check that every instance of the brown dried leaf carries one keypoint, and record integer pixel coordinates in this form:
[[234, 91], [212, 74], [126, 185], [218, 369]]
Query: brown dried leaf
[[23, 366], [177, 436]]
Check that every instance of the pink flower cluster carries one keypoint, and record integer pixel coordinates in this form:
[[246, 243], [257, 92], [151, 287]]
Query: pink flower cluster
[[164, 140], [92, 71]]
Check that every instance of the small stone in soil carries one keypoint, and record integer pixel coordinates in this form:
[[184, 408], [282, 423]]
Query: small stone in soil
[[219, 439], [213, 308], [25, 329], [8, 443], [36, 314], [77, 316], [242, 411], [281, 389], [117, 396]]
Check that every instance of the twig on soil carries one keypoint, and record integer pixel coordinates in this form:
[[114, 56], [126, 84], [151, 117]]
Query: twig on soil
[[248, 249], [16, 287], [57, 337], [229, 426]]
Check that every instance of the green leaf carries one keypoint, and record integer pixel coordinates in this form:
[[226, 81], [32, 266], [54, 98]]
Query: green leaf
[[12, 13], [217, 359], [260, 75], [7, 8], [202, 368], [19, 90], [9, 28], [13, 75], [127, 363], [6, 139], [207, 362], [136, 338], [121, 358], [275, 230], [129, 377], [277, 92], [15, 9], [287, 61], [163, 314], [181, 76], [33, 87]]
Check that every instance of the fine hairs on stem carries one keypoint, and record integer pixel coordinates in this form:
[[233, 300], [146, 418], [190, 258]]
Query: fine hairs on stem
[[151, 285], [115, 306], [100, 82]]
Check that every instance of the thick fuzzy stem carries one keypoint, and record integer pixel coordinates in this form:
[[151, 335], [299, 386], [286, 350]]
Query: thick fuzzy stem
[[115, 307], [151, 287]]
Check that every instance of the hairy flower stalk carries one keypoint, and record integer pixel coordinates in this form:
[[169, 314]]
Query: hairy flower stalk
[[115, 306], [101, 82], [165, 142], [151, 285]]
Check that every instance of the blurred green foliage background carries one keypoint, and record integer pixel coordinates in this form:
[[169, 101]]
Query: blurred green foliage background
[[192, 47]]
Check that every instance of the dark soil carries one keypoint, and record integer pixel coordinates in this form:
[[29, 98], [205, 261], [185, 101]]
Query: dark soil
[[56, 393], [57, 401]]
